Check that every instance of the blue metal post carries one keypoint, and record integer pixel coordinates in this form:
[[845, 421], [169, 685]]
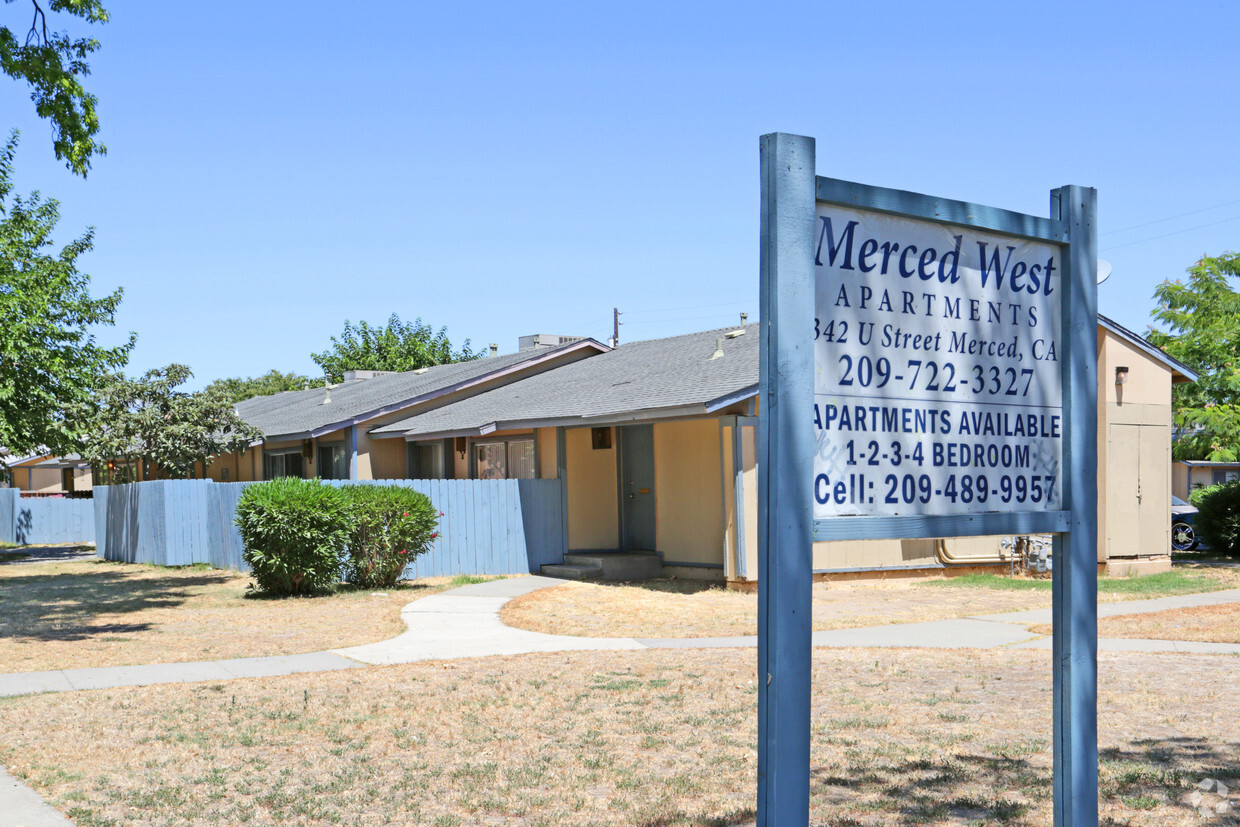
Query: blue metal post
[[785, 472], [1075, 578], [353, 453]]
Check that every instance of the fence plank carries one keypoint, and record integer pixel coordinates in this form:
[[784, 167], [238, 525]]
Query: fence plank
[[487, 527]]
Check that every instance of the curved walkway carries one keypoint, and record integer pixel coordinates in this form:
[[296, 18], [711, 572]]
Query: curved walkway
[[464, 623]]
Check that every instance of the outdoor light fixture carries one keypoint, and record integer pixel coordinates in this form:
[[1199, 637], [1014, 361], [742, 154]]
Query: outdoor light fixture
[[1121, 375]]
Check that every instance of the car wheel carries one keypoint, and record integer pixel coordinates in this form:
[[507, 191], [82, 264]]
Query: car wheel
[[1182, 536]]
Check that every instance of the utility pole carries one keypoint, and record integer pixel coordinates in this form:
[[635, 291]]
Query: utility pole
[[615, 327]]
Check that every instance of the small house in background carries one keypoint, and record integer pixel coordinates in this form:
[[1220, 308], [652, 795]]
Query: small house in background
[[1188, 476], [323, 432], [47, 475]]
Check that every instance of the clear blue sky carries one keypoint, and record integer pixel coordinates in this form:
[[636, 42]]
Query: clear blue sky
[[505, 169]]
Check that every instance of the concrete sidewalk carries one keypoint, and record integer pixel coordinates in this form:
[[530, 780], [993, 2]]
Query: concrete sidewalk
[[464, 623]]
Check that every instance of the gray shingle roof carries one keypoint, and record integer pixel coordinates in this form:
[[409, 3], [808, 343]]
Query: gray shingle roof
[[659, 374], [300, 414]]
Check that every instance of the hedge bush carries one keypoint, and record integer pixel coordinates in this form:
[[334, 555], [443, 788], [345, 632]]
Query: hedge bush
[[389, 526], [293, 530], [1218, 518]]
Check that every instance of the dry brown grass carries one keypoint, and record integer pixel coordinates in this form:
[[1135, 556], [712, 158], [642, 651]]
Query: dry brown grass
[[662, 737], [1212, 624], [94, 613], [607, 610], [677, 608]]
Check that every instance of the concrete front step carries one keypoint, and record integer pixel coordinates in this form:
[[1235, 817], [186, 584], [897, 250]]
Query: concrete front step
[[607, 565], [565, 571]]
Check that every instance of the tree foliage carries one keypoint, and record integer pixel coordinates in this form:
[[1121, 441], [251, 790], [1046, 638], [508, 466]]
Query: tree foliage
[[398, 346], [146, 427], [238, 389], [1218, 521], [1202, 321], [50, 361], [53, 63]]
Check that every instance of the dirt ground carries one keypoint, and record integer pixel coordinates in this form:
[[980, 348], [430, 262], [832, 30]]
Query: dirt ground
[[657, 737], [1214, 624], [85, 613], [684, 609]]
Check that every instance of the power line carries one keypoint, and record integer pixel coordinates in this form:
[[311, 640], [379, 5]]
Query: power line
[[1170, 218], [691, 307], [1176, 232], [681, 319]]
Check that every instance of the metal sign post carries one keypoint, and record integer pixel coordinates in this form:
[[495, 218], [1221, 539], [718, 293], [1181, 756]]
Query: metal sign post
[[785, 450], [948, 352]]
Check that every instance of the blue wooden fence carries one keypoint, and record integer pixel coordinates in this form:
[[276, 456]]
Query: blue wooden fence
[[487, 527], [36, 520]]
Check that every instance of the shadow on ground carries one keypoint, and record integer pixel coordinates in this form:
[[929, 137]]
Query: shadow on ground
[[1165, 780], [45, 554], [65, 606]]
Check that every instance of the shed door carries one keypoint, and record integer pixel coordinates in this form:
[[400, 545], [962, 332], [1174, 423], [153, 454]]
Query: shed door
[[637, 488], [1137, 496]]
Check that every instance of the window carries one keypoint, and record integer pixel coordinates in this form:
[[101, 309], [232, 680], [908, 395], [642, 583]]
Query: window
[[511, 459], [425, 460], [282, 464], [333, 462]]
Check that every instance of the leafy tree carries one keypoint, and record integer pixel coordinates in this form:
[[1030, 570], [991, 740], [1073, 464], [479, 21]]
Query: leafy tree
[[1202, 318], [52, 63], [238, 389], [146, 428], [49, 359], [398, 346]]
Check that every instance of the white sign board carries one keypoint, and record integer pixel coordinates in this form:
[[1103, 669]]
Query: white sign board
[[936, 369]]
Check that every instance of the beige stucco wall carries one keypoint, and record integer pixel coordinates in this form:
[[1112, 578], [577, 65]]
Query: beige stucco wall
[[593, 519], [245, 466], [688, 487], [547, 467], [40, 480], [380, 459], [83, 480], [1134, 452]]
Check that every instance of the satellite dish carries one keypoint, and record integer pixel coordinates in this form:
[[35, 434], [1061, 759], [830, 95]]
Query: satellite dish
[[1104, 270]]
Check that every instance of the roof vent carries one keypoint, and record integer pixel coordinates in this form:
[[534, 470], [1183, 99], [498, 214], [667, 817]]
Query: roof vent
[[718, 354], [419, 371], [541, 340], [494, 349], [350, 375], [734, 333]]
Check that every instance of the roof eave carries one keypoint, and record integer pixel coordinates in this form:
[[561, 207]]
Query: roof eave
[[1180, 372], [515, 367]]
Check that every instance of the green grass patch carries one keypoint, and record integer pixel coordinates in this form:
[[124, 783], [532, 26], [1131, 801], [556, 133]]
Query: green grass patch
[[1152, 585], [471, 579]]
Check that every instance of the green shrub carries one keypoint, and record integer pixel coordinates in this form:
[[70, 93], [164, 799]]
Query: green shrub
[[389, 526], [1194, 496], [294, 531], [1218, 519]]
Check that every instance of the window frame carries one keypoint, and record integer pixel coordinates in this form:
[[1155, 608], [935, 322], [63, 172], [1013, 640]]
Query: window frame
[[331, 447], [269, 455], [531, 437]]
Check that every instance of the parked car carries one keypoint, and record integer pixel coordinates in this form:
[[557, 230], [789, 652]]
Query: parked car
[[1183, 536]]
